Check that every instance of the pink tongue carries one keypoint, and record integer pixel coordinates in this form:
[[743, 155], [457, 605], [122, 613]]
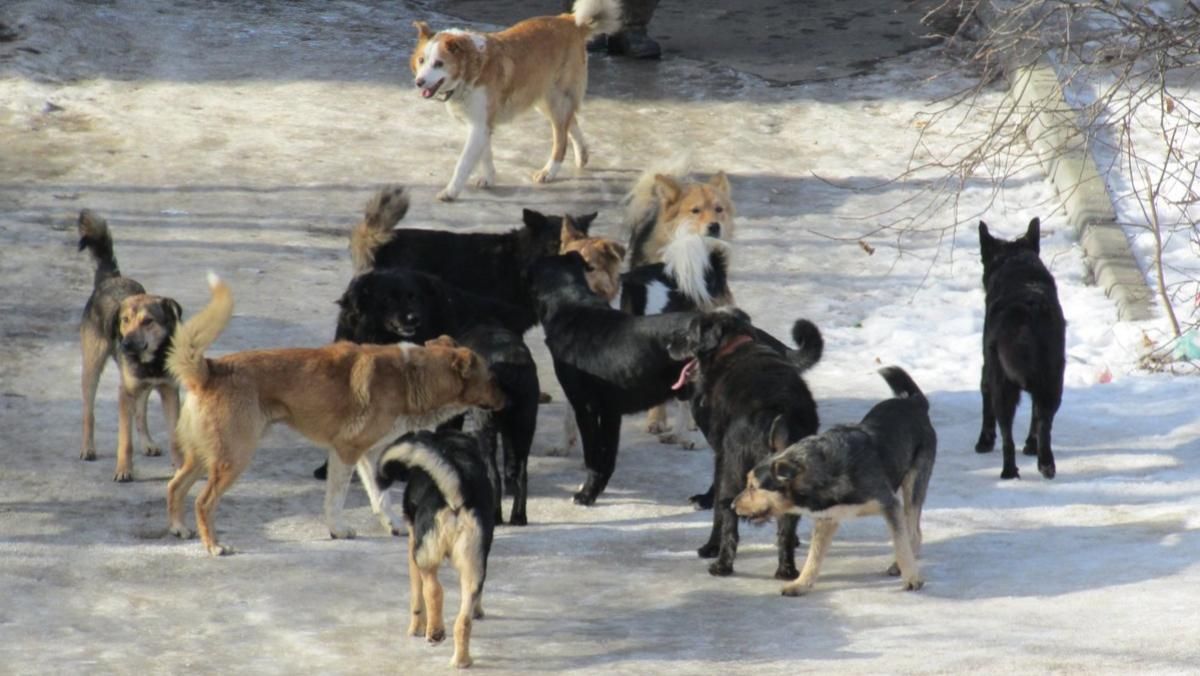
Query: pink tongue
[[683, 375], [426, 92]]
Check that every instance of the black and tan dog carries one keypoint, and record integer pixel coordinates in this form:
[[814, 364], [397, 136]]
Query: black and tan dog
[[1024, 346], [881, 465], [123, 322], [448, 510], [746, 387]]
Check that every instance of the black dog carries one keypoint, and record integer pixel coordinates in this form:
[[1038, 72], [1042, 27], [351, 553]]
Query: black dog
[[1024, 346], [489, 264], [746, 389], [448, 509], [693, 275], [608, 362], [395, 305]]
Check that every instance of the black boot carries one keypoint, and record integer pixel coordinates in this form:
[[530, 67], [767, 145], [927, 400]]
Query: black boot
[[632, 40]]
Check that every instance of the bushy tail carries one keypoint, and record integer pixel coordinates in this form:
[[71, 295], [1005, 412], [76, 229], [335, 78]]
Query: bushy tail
[[903, 386], [414, 451], [186, 359], [1017, 345], [384, 211], [641, 203], [598, 16], [94, 236], [810, 345]]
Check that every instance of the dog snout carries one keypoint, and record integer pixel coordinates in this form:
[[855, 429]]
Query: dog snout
[[420, 82], [714, 229], [412, 318], [131, 345]]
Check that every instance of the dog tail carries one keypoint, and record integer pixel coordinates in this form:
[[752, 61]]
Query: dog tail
[[598, 16], [94, 236], [641, 202], [810, 345], [413, 453], [903, 386], [1017, 345], [186, 359], [384, 211]]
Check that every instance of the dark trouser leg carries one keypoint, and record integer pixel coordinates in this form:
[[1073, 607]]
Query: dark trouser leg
[[632, 40]]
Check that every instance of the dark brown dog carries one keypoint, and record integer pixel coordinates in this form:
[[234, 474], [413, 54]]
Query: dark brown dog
[[134, 328]]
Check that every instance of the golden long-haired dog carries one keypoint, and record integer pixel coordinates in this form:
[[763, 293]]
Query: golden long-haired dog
[[344, 397], [661, 203], [488, 78]]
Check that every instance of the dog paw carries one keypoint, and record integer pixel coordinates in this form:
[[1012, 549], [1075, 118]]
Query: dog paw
[[435, 635], [913, 584], [584, 498], [1029, 449], [701, 501], [719, 569], [795, 589], [123, 475], [416, 626], [461, 662], [581, 159], [542, 176], [668, 438], [518, 520], [217, 549], [985, 446], [708, 551], [786, 573], [657, 427], [894, 570], [181, 532], [152, 451], [484, 182], [344, 533], [87, 454], [1010, 473], [687, 444], [1048, 471], [447, 195]]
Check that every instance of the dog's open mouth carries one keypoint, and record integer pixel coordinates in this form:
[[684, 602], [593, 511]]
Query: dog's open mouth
[[431, 91], [402, 329], [757, 518], [685, 375]]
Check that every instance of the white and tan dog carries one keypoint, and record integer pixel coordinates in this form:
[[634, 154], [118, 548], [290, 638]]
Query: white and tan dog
[[488, 78]]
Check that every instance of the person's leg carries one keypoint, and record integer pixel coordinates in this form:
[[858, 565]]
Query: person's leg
[[632, 40]]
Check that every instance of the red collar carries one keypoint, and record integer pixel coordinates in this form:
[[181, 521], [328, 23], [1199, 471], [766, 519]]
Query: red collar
[[732, 344]]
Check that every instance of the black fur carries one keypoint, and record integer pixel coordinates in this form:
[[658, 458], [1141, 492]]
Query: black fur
[[395, 305], [489, 264], [743, 390], [608, 362], [422, 498], [636, 282], [1024, 347]]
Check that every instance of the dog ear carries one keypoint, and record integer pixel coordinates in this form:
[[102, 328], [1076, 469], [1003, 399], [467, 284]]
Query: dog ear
[[534, 220], [1033, 236], [987, 243], [464, 361], [457, 44], [667, 189], [441, 341], [423, 30], [569, 233], [784, 470], [584, 222], [174, 308], [720, 183], [780, 435], [614, 249]]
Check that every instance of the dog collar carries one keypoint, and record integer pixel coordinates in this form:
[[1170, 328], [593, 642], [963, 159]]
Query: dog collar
[[694, 363]]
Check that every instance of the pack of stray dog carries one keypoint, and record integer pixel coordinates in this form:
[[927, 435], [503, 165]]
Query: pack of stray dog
[[430, 382]]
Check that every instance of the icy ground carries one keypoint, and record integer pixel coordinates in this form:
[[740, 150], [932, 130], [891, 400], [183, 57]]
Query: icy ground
[[248, 141]]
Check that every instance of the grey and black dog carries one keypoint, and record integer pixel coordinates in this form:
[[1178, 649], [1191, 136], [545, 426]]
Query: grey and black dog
[[881, 465], [134, 328]]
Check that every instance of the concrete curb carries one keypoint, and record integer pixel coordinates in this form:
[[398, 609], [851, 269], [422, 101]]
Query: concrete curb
[[1054, 134]]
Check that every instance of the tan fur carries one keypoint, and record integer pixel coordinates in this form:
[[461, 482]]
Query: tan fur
[[457, 538], [486, 79], [759, 505], [343, 397], [386, 208], [603, 257], [681, 204]]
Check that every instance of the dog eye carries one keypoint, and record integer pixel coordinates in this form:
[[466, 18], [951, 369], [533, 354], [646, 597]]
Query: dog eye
[[437, 64], [720, 210], [695, 210], [421, 60]]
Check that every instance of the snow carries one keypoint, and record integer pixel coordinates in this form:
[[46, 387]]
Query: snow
[[198, 167]]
